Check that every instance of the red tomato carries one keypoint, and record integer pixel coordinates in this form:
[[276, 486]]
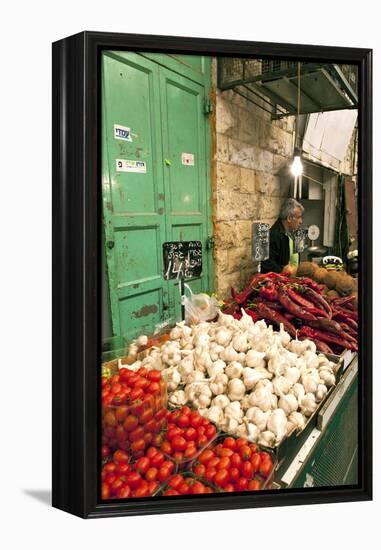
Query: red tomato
[[224, 463], [105, 491], [151, 451], [121, 414], [154, 375], [210, 431], [131, 423], [208, 489], [254, 485], [226, 452], [115, 379], [190, 434], [222, 477], [195, 419], [131, 379], [213, 462], [175, 481], [146, 416], [124, 492], [266, 467], [253, 448], [138, 446], [186, 410], [116, 388], [157, 440], [134, 479], [138, 433], [173, 432], [157, 460], [122, 468], [109, 419], [234, 474], [141, 383], [153, 388], [152, 487], [255, 461], [166, 448], [109, 467], [105, 451], [142, 465], [179, 443], [151, 426], [120, 456], [142, 371], [242, 484], [199, 470], [151, 474], [239, 442], [201, 430], [264, 455], [218, 449], [190, 451], [116, 485], [183, 421], [229, 488], [197, 488], [136, 393], [142, 490], [235, 460], [247, 469], [205, 456], [178, 456], [210, 473], [171, 492], [183, 488], [201, 441], [229, 443], [245, 452]]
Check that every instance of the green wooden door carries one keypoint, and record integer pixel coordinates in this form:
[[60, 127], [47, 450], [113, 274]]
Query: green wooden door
[[155, 185]]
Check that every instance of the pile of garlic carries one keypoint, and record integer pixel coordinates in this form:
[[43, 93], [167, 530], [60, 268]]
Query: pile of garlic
[[248, 379]]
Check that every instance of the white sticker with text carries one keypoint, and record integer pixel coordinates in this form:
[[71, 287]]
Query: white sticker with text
[[137, 166], [122, 132]]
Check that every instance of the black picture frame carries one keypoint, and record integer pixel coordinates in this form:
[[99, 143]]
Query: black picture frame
[[77, 273]]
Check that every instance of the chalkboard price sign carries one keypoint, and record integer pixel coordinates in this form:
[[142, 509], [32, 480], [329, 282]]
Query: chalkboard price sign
[[182, 259], [299, 238], [261, 241]]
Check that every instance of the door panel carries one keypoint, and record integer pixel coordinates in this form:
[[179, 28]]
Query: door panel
[[184, 132], [133, 212]]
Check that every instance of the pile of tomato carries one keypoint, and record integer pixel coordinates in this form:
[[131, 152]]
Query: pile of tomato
[[187, 433], [123, 479], [234, 465], [134, 410], [186, 484]]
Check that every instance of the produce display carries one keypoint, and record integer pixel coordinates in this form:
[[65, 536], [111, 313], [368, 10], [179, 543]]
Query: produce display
[[243, 376], [334, 281], [298, 304]]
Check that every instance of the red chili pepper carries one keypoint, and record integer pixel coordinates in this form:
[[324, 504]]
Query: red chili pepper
[[325, 324], [328, 337], [272, 305], [250, 312], [275, 317], [293, 308], [344, 301], [342, 318], [318, 300], [351, 314], [269, 292], [299, 299]]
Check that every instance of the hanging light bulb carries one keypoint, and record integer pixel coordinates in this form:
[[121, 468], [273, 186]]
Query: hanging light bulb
[[297, 166]]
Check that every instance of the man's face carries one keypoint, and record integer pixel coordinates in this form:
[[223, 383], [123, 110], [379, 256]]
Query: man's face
[[296, 220]]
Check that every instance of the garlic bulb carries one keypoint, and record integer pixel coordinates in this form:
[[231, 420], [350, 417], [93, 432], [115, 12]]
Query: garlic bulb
[[251, 377], [321, 392], [233, 410], [221, 401], [178, 397], [199, 394], [311, 359], [215, 414], [297, 419], [277, 423], [308, 404], [186, 367], [288, 403], [309, 383], [255, 359], [176, 333], [201, 339], [219, 384], [281, 385], [234, 370], [236, 389], [292, 374], [230, 425], [215, 350], [217, 367], [229, 354], [267, 439], [172, 378], [262, 398], [248, 430], [224, 319], [299, 392], [258, 417], [327, 377], [239, 342], [223, 336], [142, 340]]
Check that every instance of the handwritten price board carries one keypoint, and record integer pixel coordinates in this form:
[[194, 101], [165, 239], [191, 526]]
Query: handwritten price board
[[182, 259], [261, 241]]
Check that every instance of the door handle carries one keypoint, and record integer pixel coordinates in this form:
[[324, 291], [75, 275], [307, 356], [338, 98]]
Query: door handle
[[110, 244]]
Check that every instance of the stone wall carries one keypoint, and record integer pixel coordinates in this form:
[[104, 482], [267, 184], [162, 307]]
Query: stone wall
[[252, 160]]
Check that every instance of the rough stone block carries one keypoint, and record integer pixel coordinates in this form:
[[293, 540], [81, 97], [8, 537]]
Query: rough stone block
[[237, 258], [247, 180], [241, 154], [249, 127], [269, 206], [228, 176], [227, 119], [222, 148]]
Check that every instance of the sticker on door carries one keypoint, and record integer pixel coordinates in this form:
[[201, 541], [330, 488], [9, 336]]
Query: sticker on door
[[136, 166], [187, 159], [122, 132]]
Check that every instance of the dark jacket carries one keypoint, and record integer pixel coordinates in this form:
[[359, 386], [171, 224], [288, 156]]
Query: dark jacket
[[279, 249]]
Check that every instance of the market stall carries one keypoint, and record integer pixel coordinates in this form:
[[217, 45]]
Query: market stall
[[263, 396]]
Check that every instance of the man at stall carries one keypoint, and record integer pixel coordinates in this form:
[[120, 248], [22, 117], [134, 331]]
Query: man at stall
[[281, 242]]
